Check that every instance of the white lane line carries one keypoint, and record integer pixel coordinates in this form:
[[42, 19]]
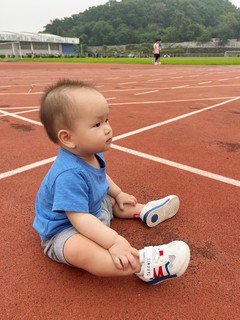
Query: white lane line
[[113, 78], [146, 102], [173, 119], [31, 88], [20, 117], [131, 103], [216, 86], [177, 77], [20, 93], [180, 166], [129, 89], [26, 168], [220, 85], [180, 87], [20, 112], [36, 164], [132, 82], [205, 82], [166, 101], [137, 75], [153, 80], [141, 93], [16, 108]]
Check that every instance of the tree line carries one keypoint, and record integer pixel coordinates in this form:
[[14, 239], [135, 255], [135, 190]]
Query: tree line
[[141, 21]]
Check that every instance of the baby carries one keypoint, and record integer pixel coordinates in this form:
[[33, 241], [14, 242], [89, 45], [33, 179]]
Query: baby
[[77, 199]]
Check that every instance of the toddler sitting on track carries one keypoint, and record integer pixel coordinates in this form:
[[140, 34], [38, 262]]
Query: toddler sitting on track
[[77, 199]]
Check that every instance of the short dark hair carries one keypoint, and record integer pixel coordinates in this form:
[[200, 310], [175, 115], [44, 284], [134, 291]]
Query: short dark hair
[[57, 108]]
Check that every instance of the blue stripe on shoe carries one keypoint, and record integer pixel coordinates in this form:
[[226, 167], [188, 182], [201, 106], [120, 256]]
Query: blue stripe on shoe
[[158, 280], [154, 208], [166, 267]]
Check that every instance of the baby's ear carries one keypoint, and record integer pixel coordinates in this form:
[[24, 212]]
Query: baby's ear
[[65, 139]]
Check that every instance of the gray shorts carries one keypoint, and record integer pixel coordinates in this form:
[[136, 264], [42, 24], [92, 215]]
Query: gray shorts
[[53, 247]]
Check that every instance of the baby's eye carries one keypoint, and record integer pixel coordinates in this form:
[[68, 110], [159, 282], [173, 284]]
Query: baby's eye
[[97, 124]]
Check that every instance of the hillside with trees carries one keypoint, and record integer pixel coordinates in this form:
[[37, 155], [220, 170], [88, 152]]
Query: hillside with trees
[[141, 21]]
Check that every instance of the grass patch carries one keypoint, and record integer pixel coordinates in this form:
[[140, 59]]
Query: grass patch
[[170, 61]]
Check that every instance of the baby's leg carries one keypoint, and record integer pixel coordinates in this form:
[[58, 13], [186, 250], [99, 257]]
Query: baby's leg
[[83, 253], [154, 265], [152, 213], [129, 211]]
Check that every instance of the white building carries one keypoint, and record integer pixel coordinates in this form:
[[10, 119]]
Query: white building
[[39, 44]]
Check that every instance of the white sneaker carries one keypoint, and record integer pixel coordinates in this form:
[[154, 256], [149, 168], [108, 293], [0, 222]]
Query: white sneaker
[[155, 212], [163, 262]]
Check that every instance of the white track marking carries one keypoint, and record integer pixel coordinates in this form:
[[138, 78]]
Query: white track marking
[[172, 120], [180, 166], [130, 89], [20, 112], [26, 168], [141, 93], [177, 77], [146, 156], [206, 82], [214, 86], [31, 88], [20, 93], [20, 117], [16, 108], [180, 87], [132, 82], [157, 79], [166, 101], [113, 78]]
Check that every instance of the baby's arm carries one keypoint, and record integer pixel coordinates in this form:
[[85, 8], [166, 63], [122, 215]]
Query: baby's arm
[[119, 248], [120, 197]]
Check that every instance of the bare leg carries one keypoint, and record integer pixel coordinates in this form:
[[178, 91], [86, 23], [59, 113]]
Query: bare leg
[[83, 253], [153, 213], [87, 255], [128, 212]]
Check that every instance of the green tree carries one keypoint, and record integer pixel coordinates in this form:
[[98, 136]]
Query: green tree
[[136, 21]]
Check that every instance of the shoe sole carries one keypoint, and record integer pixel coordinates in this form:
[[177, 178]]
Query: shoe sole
[[186, 251], [165, 211]]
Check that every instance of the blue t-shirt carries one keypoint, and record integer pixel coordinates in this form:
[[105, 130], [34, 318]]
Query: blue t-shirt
[[70, 185]]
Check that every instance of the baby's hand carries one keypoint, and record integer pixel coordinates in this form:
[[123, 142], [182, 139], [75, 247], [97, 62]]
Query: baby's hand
[[125, 198], [123, 254]]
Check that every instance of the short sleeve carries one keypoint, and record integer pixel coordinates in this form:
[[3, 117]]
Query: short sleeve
[[70, 192]]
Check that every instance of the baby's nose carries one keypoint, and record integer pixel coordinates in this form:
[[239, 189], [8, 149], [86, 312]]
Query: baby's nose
[[108, 128]]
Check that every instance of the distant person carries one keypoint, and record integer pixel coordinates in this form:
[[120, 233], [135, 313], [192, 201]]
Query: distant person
[[77, 199], [157, 51]]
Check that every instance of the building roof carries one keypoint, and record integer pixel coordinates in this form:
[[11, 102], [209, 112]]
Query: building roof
[[35, 37]]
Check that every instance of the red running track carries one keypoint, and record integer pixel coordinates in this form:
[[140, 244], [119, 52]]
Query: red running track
[[176, 132]]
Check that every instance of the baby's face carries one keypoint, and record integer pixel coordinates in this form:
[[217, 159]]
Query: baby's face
[[91, 131]]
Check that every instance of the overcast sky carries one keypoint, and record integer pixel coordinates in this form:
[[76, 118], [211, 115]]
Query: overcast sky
[[32, 16]]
